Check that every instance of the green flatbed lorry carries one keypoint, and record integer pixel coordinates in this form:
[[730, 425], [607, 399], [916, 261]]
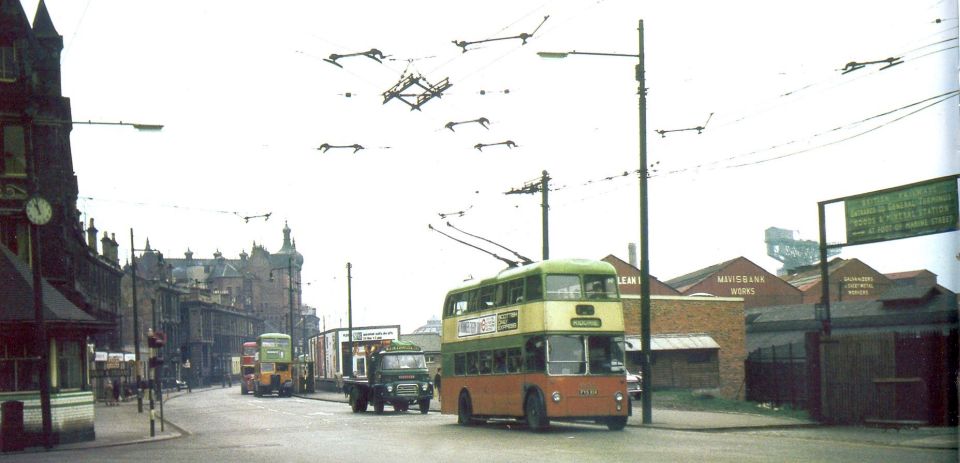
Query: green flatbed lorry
[[396, 375]]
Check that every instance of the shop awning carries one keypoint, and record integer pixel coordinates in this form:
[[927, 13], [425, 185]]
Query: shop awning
[[664, 342]]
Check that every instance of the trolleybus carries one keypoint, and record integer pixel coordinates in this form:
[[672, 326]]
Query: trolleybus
[[273, 372], [537, 343]]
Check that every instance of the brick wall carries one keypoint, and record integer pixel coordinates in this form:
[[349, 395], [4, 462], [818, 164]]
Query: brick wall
[[720, 317]]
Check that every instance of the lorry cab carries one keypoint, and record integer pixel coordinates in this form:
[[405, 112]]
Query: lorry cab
[[396, 375]]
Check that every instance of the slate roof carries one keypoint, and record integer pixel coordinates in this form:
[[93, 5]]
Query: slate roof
[[681, 283], [937, 309], [16, 295]]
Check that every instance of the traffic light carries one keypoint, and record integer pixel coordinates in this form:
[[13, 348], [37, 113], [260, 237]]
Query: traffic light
[[156, 340]]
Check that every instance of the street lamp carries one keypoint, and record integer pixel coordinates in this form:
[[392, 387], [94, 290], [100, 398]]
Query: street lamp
[[136, 125], [644, 245]]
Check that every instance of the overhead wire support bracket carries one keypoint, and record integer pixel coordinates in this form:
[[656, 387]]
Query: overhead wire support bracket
[[372, 53], [482, 121], [854, 65], [265, 217], [699, 128], [509, 144], [463, 44], [326, 147]]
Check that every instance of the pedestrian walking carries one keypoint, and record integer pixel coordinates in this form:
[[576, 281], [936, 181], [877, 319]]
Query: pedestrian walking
[[116, 391], [436, 381], [108, 393]]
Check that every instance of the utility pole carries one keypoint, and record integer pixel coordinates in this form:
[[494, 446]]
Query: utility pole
[[647, 383], [293, 342], [543, 186], [136, 322], [348, 359]]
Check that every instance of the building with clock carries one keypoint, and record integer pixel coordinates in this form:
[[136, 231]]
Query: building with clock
[[40, 229]]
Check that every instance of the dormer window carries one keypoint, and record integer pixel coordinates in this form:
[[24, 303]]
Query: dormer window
[[8, 64]]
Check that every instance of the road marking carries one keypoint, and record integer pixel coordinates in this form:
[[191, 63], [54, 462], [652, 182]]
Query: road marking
[[320, 413]]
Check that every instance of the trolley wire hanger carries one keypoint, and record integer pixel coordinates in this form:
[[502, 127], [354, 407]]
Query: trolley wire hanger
[[482, 121], [372, 53], [326, 147], [523, 37], [510, 263], [699, 128], [509, 143], [854, 65]]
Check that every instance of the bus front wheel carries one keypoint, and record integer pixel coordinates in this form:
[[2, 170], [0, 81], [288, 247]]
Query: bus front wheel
[[465, 410], [536, 413], [616, 423]]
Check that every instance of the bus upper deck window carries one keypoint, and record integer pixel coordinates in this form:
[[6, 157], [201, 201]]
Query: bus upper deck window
[[563, 287], [534, 288], [600, 286]]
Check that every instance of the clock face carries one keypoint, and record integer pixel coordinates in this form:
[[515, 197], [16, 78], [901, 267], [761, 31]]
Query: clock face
[[38, 210]]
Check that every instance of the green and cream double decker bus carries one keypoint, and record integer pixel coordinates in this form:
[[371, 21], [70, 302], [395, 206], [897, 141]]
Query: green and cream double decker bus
[[273, 370], [537, 343]]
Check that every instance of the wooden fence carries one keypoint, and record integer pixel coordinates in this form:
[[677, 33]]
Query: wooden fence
[[858, 378]]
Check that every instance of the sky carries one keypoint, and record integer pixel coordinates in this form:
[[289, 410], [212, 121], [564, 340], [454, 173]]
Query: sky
[[246, 99]]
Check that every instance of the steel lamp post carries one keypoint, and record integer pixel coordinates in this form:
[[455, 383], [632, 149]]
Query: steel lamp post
[[644, 223]]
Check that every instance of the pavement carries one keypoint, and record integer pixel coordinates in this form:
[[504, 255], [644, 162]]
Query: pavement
[[123, 425]]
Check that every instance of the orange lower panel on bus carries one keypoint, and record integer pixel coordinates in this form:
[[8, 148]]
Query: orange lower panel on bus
[[504, 395]]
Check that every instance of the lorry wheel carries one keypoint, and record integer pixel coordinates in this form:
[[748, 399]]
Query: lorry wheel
[[536, 413], [243, 389], [355, 401], [424, 406], [378, 405]]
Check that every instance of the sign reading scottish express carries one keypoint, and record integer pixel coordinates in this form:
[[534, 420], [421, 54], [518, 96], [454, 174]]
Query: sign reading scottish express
[[911, 210]]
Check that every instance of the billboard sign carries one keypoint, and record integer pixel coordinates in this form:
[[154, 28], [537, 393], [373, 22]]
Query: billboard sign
[[911, 210]]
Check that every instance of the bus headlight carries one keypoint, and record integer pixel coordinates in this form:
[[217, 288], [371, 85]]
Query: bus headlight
[[556, 396], [618, 396]]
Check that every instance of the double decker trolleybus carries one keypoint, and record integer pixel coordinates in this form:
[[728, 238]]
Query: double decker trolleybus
[[248, 364], [273, 371], [537, 343]]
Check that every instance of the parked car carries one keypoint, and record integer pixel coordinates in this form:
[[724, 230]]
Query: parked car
[[171, 383], [634, 387]]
